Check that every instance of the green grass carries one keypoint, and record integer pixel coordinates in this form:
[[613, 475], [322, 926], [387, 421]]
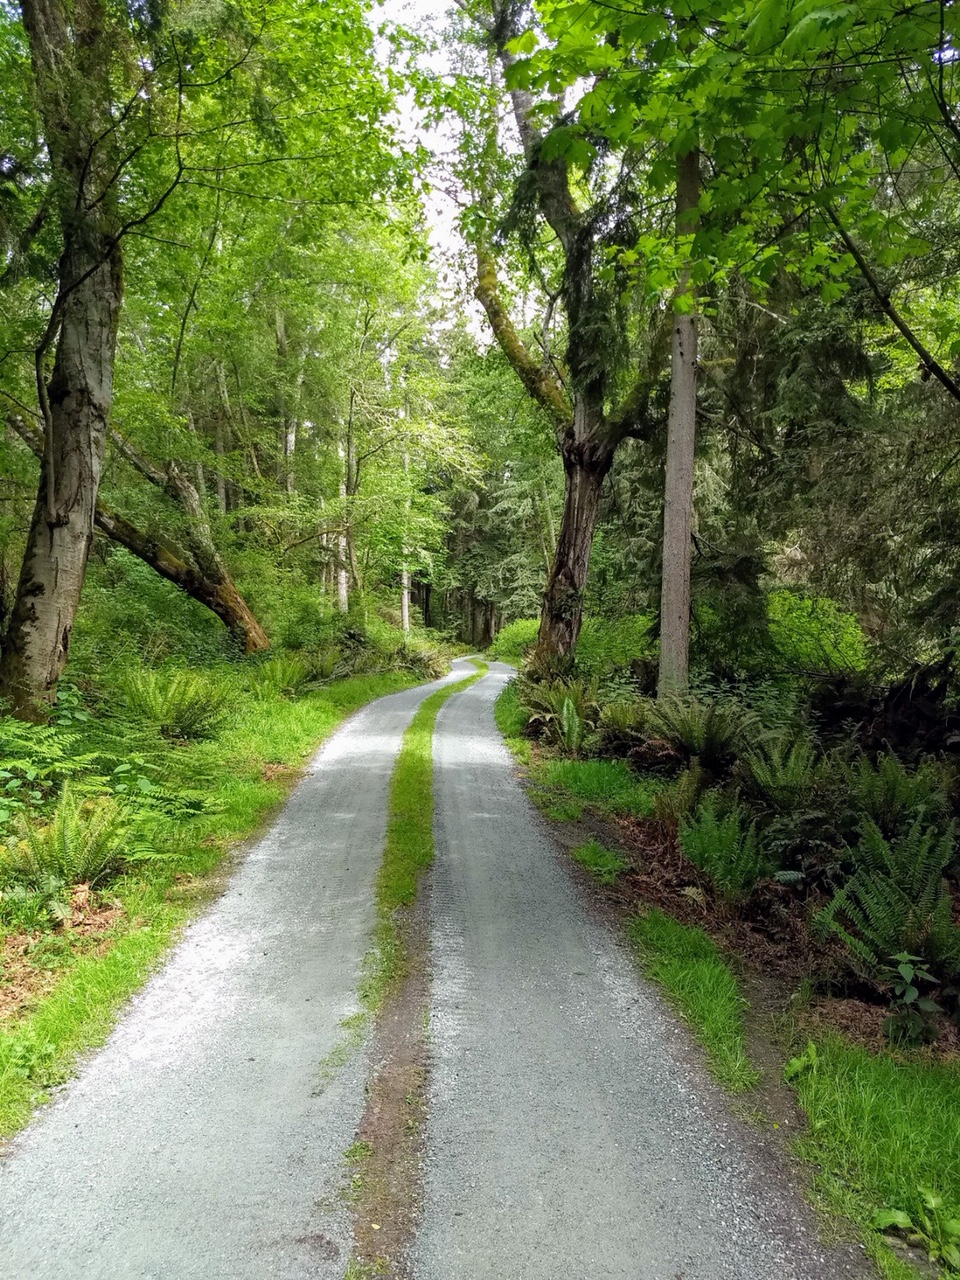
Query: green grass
[[600, 862], [39, 1049], [409, 845], [511, 720], [880, 1127], [609, 785], [698, 981]]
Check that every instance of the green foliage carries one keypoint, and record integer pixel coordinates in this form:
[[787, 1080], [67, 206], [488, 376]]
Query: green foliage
[[560, 711], [621, 724], [600, 862], [179, 703], [515, 641], [674, 804], [609, 785], [931, 1226], [698, 980], [611, 644], [511, 716], [896, 900], [726, 847], [28, 907], [879, 1127], [782, 774], [894, 797], [814, 634], [84, 842], [714, 733], [909, 1020], [283, 676]]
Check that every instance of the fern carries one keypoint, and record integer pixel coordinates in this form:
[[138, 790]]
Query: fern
[[553, 704], [893, 796], [181, 704], [678, 800], [85, 842], [726, 848], [781, 775], [897, 899], [713, 733]]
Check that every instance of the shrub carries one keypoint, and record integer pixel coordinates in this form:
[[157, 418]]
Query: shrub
[[515, 641], [85, 842], [620, 725], [897, 900], [283, 676], [782, 775], [726, 848], [561, 711], [812, 633], [28, 908], [678, 800], [181, 704], [713, 733], [894, 797], [607, 645]]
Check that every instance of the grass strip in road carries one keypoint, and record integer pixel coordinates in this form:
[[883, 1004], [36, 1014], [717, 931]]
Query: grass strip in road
[[698, 981], [409, 844], [245, 771], [384, 1161]]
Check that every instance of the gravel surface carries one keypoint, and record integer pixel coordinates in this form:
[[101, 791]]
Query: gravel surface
[[568, 1135], [204, 1140]]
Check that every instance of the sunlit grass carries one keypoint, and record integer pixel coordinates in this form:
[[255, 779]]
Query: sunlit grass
[[609, 785], [698, 981], [409, 845]]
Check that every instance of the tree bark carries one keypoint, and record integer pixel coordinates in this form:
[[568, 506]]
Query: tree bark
[[681, 450], [217, 593], [70, 55], [585, 467]]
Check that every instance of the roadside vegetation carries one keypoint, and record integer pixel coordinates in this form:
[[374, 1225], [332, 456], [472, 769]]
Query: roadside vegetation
[[795, 831]]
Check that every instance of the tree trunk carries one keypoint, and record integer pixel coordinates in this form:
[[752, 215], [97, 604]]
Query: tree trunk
[[216, 592], [70, 56], [681, 449], [585, 467]]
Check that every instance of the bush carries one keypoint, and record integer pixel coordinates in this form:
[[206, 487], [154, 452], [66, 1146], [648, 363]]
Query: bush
[[678, 800], [283, 676], [897, 900], [620, 725], [609, 645], [712, 733], [812, 633], [515, 641], [894, 797], [85, 842], [782, 775], [560, 711], [726, 848], [181, 704]]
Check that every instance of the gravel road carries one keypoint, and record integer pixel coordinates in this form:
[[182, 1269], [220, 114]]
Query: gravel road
[[201, 1141], [568, 1136]]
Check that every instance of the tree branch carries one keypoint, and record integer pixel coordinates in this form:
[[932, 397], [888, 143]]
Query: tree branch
[[534, 377]]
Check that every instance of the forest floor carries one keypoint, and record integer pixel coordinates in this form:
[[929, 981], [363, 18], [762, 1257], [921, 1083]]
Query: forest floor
[[563, 1124]]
